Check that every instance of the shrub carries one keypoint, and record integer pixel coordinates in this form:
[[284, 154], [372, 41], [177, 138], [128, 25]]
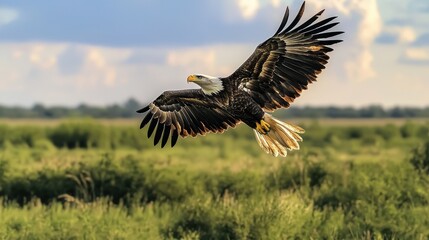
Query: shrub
[[409, 130], [234, 184], [3, 135], [21, 136], [420, 158], [129, 137], [80, 135], [388, 132], [423, 131]]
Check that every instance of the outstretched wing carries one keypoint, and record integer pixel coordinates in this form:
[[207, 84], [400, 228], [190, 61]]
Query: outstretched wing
[[184, 113], [282, 66]]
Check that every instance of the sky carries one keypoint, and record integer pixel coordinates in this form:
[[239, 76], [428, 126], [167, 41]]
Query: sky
[[103, 52]]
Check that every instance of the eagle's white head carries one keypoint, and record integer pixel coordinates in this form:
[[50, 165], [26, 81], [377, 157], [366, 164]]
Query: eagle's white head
[[210, 85]]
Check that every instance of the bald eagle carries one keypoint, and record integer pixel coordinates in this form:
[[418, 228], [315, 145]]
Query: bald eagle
[[271, 78]]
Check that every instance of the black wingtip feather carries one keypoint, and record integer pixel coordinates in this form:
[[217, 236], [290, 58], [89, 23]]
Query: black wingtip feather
[[146, 120], [327, 35], [309, 21], [158, 134], [152, 127], [143, 110], [322, 28], [296, 20], [317, 25], [330, 42], [327, 49], [166, 135], [174, 138], [284, 21]]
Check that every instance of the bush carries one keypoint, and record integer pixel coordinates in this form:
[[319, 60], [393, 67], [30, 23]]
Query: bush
[[80, 135], [21, 136], [3, 135], [420, 158], [388, 132], [270, 216], [423, 131], [129, 137], [409, 130]]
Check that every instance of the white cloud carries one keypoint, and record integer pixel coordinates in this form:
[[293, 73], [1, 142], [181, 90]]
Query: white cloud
[[219, 60], [339, 5], [248, 8], [361, 67], [417, 54], [71, 60], [399, 35], [97, 70], [276, 3], [43, 56], [371, 23], [358, 57], [8, 15], [192, 58], [94, 66], [406, 34], [40, 72]]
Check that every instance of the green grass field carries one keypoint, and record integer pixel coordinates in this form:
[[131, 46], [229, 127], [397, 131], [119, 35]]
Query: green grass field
[[100, 179]]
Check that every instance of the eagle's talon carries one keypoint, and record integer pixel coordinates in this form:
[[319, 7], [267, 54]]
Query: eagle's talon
[[263, 127]]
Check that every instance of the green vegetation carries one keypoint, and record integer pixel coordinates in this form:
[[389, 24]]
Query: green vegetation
[[129, 108], [84, 180]]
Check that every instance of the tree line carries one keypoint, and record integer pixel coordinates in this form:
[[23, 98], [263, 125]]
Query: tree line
[[373, 111], [128, 110]]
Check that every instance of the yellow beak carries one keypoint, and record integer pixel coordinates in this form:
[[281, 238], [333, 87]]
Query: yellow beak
[[192, 78]]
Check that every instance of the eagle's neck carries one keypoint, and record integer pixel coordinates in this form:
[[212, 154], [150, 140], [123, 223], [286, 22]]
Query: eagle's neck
[[212, 85]]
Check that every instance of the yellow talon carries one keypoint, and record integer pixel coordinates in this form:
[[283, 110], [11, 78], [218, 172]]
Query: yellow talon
[[263, 127]]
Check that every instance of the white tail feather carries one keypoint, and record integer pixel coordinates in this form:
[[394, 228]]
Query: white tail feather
[[281, 137]]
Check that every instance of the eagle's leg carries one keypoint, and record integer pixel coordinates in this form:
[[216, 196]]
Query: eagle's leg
[[263, 127]]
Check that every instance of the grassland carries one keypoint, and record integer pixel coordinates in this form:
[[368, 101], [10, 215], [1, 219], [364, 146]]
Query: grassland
[[88, 179]]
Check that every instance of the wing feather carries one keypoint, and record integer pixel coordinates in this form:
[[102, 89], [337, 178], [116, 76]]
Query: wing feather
[[321, 29], [174, 137], [184, 113], [180, 123], [327, 35], [158, 133], [284, 21], [167, 131], [152, 127], [143, 110], [296, 20], [282, 66], [317, 25], [309, 21], [146, 120]]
